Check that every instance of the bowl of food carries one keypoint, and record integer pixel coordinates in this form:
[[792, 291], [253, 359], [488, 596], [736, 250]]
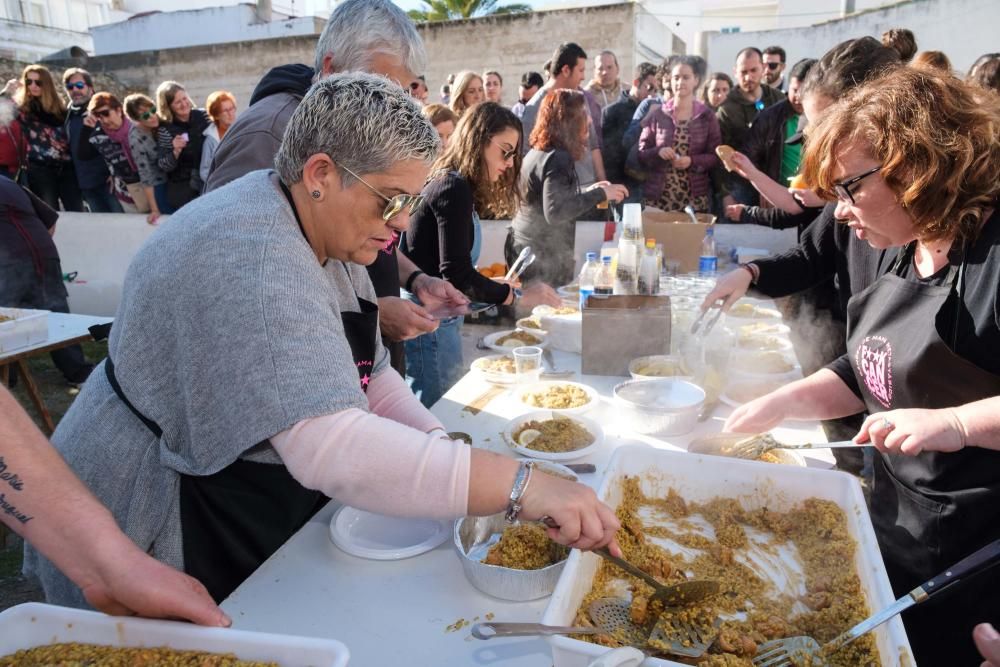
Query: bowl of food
[[657, 366], [496, 368], [764, 343], [763, 329], [743, 391], [663, 406], [506, 341], [551, 436], [509, 561], [532, 325], [571, 291], [764, 365], [749, 311], [559, 396], [553, 311]]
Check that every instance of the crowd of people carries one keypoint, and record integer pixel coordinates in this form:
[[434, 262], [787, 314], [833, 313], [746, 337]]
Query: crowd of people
[[348, 234]]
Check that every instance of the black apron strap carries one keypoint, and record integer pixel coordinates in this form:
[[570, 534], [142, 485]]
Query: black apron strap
[[109, 371]]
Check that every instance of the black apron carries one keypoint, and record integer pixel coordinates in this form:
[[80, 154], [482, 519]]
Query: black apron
[[232, 521], [931, 510]]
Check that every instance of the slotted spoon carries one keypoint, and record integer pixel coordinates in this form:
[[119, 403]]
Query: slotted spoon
[[673, 595], [612, 616]]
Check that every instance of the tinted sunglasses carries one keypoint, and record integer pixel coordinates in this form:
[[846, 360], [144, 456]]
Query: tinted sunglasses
[[393, 205], [102, 113], [773, 65], [79, 85], [33, 82], [151, 111], [506, 153]]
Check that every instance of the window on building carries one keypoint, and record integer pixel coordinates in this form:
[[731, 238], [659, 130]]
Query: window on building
[[729, 30]]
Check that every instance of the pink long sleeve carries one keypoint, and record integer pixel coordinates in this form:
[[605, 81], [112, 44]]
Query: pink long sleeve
[[378, 465], [390, 397]]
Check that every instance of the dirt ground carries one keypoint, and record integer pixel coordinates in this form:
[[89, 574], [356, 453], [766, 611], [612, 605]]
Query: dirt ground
[[58, 396]]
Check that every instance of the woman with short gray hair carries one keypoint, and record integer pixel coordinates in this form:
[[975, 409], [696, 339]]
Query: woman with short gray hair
[[246, 383]]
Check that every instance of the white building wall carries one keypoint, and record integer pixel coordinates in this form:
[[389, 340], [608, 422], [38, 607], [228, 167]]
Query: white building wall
[[26, 42], [963, 29], [215, 25]]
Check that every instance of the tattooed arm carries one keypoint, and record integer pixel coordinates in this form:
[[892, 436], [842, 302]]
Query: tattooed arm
[[43, 501]]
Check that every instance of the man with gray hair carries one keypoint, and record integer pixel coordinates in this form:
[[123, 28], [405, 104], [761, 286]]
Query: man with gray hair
[[362, 35]]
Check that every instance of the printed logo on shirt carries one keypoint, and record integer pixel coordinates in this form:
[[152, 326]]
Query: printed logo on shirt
[[873, 360], [364, 373]]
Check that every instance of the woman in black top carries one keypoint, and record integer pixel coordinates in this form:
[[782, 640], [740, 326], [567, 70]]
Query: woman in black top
[[478, 169], [912, 160], [551, 200], [180, 138], [41, 115]]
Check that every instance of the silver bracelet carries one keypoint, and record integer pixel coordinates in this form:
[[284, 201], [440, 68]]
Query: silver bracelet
[[521, 481]]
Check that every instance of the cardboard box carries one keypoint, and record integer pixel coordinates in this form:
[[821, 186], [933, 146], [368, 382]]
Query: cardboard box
[[617, 329], [680, 237]]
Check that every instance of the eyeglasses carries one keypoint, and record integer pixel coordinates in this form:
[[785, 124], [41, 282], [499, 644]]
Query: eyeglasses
[[102, 113], [393, 205], [33, 82], [650, 87], [151, 111], [507, 153], [773, 65], [79, 85], [843, 188]]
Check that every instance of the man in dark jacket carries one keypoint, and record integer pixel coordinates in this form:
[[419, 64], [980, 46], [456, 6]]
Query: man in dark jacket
[[30, 272], [91, 174], [741, 108], [353, 40], [774, 143], [616, 119]]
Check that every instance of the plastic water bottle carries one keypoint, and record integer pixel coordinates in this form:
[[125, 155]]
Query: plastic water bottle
[[587, 275], [630, 245], [604, 280], [649, 270], [708, 262]]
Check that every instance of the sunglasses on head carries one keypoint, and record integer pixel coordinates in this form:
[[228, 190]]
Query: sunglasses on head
[[151, 111], [33, 82], [393, 205], [79, 85], [773, 65]]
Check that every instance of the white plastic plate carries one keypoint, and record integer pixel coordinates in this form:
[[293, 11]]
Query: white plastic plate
[[379, 537]]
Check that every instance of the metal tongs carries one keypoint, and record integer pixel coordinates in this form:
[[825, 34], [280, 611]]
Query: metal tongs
[[523, 261], [712, 322]]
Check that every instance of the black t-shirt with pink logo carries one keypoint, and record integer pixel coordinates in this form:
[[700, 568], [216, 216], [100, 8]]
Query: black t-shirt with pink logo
[[975, 323]]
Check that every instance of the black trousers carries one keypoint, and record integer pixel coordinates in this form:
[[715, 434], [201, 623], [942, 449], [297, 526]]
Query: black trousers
[[22, 287], [52, 184]]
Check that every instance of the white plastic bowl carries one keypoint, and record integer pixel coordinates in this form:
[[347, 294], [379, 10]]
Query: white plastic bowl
[[544, 415], [491, 340], [592, 395], [661, 407], [740, 366], [639, 362], [494, 377]]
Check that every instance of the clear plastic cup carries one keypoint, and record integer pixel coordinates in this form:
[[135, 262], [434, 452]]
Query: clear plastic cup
[[527, 364]]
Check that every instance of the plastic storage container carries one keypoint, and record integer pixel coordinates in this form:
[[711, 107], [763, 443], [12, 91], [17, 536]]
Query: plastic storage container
[[34, 624], [29, 327], [753, 483]]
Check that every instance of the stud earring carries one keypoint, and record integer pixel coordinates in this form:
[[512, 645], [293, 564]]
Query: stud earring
[[316, 194]]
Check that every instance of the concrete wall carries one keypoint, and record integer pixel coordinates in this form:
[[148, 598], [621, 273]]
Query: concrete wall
[[30, 43], [963, 29], [516, 43], [511, 44], [214, 25]]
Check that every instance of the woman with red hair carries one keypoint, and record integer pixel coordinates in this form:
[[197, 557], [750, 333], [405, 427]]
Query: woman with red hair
[[221, 107], [551, 199]]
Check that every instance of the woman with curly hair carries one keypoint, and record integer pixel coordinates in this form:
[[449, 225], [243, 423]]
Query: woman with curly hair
[[467, 91], [912, 161], [478, 170], [551, 199], [41, 114]]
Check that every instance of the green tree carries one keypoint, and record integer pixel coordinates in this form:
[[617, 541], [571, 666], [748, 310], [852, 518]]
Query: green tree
[[445, 10]]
